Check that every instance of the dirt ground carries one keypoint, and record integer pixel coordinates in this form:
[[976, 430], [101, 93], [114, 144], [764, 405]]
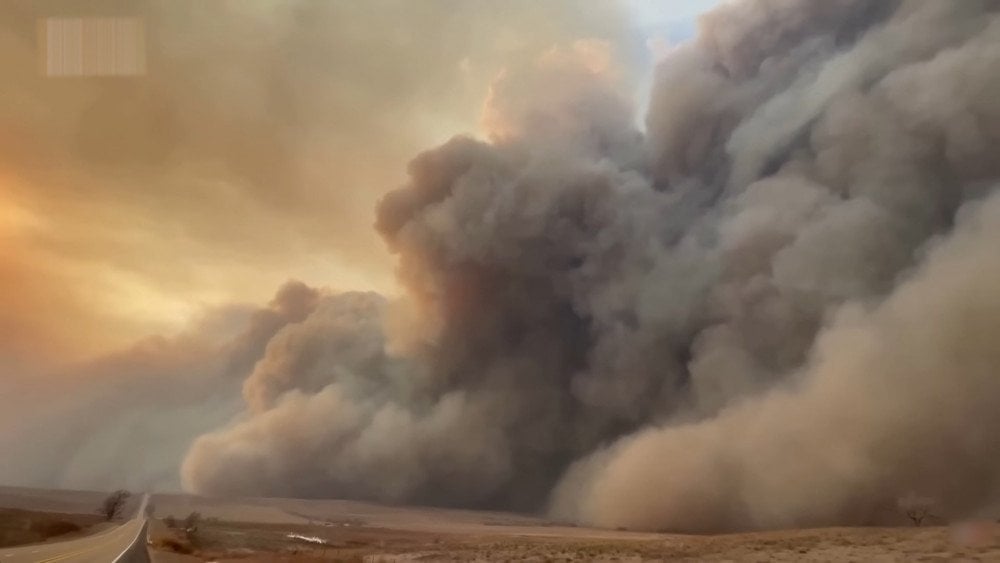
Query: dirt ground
[[21, 527], [352, 531], [241, 542], [280, 530]]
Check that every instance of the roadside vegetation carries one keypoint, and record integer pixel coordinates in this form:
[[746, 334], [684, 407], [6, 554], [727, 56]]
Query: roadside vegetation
[[181, 536], [19, 527], [113, 504]]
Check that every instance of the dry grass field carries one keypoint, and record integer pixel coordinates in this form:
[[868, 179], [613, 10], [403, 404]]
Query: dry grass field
[[38, 515], [59, 501], [19, 527], [224, 541], [49, 500], [353, 531], [302, 531]]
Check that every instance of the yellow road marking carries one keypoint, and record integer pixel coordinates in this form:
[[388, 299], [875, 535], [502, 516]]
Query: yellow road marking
[[64, 556]]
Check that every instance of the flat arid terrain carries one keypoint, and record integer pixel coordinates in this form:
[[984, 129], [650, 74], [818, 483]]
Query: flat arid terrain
[[229, 541], [290, 530], [20, 527]]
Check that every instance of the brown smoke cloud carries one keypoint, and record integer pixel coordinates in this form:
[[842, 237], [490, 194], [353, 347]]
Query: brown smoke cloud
[[776, 306], [892, 400], [126, 418]]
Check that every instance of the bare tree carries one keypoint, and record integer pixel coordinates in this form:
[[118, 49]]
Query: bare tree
[[192, 521], [916, 508], [112, 506]]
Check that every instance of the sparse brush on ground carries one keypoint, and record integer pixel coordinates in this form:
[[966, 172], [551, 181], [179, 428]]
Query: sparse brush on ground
[[269, 542], [173, 545], [341, 534], [191, 529], [19, 527]]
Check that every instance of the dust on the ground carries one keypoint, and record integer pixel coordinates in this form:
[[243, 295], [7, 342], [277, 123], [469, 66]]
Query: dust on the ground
[[258, 530], [247, 542]]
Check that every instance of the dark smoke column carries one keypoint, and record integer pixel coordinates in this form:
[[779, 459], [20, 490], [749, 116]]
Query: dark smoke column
[[736, 320]]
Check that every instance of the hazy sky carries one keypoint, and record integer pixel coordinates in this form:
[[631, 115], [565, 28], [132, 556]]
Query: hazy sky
[[253, 150], [653, 12]]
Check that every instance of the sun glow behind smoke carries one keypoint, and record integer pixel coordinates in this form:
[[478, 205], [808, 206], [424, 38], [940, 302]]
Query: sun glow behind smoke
[[230, 166]]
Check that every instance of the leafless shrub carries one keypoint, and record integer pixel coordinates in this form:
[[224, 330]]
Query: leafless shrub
[[112, 506], [191, 524], [173, 545], [192, 521], [916, 508]]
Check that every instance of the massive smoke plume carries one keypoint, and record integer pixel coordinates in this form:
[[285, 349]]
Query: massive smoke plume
[[777, 306], [127, 418]]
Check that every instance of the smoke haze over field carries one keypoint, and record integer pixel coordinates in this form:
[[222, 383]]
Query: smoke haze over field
[[775, 305]]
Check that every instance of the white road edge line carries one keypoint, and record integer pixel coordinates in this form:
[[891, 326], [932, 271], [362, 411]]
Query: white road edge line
[[132, 543], [138, 535]]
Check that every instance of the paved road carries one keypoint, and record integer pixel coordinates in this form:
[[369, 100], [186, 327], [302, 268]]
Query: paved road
[[109, 546]]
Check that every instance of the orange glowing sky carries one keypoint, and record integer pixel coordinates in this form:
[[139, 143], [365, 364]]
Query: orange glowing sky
[[253, 151]]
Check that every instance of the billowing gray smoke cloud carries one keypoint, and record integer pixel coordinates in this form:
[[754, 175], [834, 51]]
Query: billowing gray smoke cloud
[[778, 306], [125, 419]]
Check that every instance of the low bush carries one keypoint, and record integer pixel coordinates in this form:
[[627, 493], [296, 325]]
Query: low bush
[[173, 545]]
